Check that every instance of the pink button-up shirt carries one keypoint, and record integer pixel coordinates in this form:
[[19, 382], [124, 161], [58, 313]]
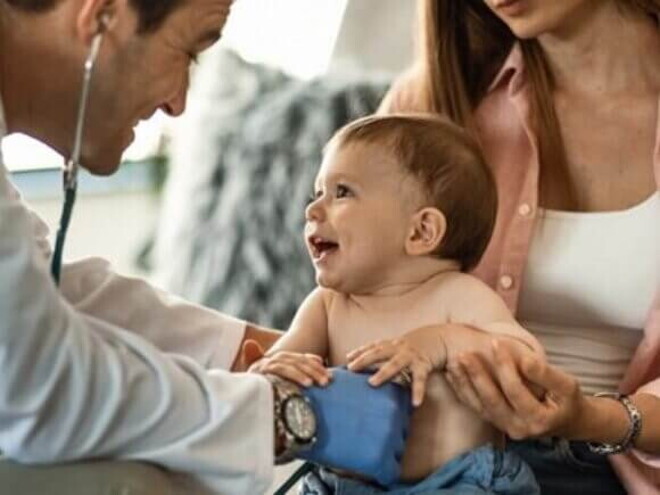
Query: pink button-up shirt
[[509, 145]]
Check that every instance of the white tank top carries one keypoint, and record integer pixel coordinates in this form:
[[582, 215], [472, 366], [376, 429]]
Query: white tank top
[[589, 283]]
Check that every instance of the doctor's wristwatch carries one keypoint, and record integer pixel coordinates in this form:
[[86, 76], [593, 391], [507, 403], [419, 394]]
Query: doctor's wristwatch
[[295, 419]]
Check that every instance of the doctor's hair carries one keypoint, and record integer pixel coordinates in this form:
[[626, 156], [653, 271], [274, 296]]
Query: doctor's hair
[[151, 13], [450, 168]]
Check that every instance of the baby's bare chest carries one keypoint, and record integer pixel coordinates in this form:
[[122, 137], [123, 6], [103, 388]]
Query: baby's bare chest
[[351, 326]]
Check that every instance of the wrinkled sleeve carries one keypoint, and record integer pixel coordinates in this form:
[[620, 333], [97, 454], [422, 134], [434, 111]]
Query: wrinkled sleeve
[[76, 384], [171, 324]]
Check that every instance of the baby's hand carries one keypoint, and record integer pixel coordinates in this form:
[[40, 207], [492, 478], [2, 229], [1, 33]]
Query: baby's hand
[[416, 353], [303, 369]]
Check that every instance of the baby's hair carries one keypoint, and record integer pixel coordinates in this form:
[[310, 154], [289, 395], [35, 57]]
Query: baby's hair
[[448, 164]]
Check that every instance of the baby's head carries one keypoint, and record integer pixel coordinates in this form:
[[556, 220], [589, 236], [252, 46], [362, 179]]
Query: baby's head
[[395, 187]]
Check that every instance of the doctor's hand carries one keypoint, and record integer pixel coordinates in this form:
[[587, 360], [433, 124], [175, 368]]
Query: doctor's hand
[[303, 369], [256, 342], [414, 355], [523, 395]]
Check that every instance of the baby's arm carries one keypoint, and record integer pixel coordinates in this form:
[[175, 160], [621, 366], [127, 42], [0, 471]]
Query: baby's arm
[[299, 354]]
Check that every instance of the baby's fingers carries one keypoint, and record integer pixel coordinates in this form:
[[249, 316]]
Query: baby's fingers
[[419, 377], [313, 369], [289, 372], [371, 355], [388, 370]]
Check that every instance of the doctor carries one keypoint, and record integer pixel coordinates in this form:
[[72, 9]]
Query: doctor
[[105, 366]]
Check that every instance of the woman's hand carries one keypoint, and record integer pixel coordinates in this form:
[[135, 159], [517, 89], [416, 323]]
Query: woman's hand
[[417, 353], [303, 369], [526, 397]]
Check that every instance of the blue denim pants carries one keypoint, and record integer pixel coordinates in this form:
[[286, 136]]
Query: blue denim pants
[[567, 468], [484, 470]]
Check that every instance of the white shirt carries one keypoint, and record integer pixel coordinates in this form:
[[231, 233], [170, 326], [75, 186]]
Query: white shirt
[[587, 290], [110, 367]]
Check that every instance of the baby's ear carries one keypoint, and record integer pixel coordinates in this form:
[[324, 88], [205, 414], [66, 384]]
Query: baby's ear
[[427, 229]]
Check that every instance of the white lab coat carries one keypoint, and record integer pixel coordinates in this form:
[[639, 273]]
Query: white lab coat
[[111, 367]]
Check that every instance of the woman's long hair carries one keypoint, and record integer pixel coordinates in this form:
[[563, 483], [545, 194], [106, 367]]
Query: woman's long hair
[[463, 45]]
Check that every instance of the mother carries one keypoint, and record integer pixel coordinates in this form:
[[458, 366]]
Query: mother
[[564, 99]]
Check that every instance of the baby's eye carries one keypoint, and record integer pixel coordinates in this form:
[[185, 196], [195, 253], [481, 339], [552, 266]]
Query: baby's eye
[[343, 191]]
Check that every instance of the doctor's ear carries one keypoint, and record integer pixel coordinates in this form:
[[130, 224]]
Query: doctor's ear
[[94, 17], [427, 230]]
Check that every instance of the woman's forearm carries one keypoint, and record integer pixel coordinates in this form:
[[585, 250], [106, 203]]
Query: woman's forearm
[[606, 420]]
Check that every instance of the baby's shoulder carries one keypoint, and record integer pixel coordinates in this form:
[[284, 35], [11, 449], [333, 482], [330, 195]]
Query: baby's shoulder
[[459, 282], [331, 299], [458, 289]]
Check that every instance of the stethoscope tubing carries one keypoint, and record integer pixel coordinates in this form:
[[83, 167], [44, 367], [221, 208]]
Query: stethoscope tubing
[[70, 169]]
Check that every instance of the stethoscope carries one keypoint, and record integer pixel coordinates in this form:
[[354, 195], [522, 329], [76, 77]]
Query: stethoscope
[[70, 169]]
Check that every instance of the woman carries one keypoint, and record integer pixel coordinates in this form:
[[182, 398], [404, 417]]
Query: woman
[[563, 97]]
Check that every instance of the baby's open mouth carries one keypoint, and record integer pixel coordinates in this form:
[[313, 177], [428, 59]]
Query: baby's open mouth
[[321, 247]]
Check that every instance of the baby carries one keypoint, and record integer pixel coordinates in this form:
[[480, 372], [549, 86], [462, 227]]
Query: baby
[[403, 207]]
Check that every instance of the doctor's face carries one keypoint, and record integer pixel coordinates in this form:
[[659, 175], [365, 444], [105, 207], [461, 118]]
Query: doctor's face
[[137, 74]]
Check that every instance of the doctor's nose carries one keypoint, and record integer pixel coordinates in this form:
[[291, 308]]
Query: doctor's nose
[[176, 105]]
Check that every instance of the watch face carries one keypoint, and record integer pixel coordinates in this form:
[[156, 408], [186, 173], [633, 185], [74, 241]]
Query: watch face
[[299, 418]]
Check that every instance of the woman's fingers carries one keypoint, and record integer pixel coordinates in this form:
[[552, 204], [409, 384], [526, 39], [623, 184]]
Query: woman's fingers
[[494, 404], [549, 378], [515, 390], [463, 388]]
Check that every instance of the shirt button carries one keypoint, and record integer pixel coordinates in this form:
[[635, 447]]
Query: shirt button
[[506, 281], [524, 209]]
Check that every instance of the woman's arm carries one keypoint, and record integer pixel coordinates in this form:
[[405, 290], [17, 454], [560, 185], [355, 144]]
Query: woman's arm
[[505, 400]]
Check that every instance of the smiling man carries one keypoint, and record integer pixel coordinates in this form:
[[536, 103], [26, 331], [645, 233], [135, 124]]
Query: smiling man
[[104, 366], [87, 371]]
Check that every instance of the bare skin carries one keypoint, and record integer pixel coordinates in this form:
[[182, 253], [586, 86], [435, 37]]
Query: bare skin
[[607, 99], [441, 427], [384, 300]]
